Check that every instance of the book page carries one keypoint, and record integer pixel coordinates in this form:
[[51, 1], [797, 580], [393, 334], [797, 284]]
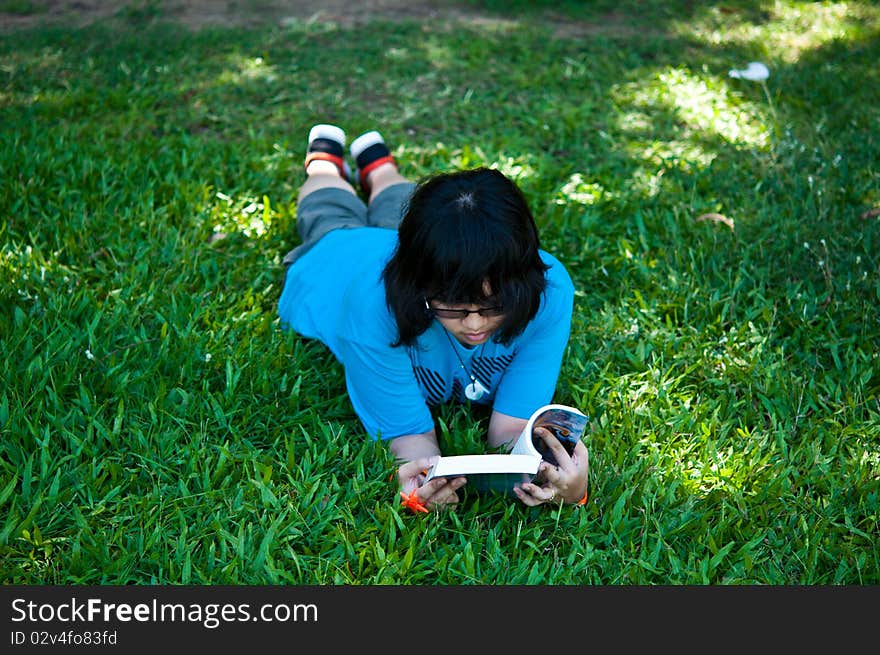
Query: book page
[[484, 473], [479, 464]]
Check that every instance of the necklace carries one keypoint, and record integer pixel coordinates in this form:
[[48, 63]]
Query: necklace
[[475, 390]]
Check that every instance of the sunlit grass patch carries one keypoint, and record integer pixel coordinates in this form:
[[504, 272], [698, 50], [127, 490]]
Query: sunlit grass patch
[[695, 110], [784, 30]]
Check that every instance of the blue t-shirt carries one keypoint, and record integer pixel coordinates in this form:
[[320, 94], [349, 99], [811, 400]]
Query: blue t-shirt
[[334, 293]]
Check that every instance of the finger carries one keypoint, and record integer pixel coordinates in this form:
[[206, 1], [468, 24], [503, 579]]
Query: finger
[[540, 494], [446, 494], [409, 475], [548, 473], [535, 496], [526, 498], [555, 446], [429, 490], [581, 457], [412, 468]]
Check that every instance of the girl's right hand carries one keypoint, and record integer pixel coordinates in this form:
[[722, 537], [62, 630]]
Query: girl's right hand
[[439, 492]]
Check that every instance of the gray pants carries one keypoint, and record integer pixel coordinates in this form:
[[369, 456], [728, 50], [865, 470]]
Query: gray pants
[[332, 209]]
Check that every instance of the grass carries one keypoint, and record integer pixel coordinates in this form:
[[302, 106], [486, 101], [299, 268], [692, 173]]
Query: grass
[[156, 425]]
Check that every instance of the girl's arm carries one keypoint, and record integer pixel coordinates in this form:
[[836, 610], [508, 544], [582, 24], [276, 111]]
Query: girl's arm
[[504, 429]]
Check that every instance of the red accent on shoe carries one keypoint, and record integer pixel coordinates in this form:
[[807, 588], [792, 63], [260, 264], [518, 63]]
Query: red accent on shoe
[[326, 156], [362, 174]]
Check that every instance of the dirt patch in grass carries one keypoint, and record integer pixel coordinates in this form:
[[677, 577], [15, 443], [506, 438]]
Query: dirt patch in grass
[[197, 14], [228, 13]]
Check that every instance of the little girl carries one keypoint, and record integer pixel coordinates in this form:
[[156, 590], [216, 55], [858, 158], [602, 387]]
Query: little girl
[[426, 294]]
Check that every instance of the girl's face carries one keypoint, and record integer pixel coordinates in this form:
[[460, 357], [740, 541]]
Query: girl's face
[[471, 328]]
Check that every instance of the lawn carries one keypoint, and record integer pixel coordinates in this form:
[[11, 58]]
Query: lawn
[[157, 426]]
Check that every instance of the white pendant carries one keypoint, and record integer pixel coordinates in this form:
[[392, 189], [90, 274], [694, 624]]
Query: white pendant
[[475, 390]]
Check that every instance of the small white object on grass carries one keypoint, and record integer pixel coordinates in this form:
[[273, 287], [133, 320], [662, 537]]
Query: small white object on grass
[[755, 71]]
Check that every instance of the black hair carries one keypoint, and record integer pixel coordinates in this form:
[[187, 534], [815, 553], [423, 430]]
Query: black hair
[[460, 230]]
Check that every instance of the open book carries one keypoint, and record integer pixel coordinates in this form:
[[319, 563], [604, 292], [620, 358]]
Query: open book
[[501, 472]]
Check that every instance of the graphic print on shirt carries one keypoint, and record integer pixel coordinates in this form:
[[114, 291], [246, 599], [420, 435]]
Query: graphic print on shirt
[[437, 389]]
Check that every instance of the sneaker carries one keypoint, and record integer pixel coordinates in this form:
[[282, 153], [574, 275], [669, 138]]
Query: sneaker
[[327, 142], [369, 152]]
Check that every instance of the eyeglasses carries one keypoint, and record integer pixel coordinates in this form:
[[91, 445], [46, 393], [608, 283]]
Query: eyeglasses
[[487, 312]]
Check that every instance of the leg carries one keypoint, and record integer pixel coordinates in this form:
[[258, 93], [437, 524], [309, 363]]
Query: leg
[[323, 175], [326, 200], [383, 177], [388, 203], [380, 179]]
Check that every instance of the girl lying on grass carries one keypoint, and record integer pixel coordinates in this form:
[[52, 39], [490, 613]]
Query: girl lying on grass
[[429, 293]]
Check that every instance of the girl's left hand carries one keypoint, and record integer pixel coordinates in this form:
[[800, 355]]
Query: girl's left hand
[[438, 493], [565, 483]]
